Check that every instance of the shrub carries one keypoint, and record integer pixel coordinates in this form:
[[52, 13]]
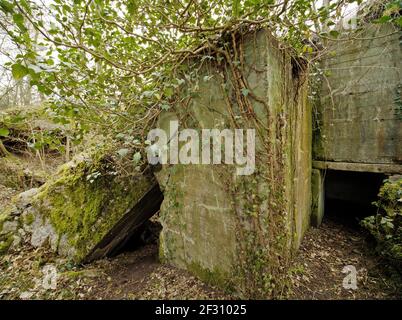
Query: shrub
[[386, 225]]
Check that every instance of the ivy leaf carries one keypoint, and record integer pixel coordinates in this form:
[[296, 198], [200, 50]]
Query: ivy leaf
[[383, 19], [19, 71], [245, 92], [136, 157], [4, 132], [334, 33], [147, 94], [123, 152], [18, 18], [169, 92]]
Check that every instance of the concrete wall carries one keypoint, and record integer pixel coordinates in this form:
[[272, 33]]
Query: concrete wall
[[239, 231], [360, 116]]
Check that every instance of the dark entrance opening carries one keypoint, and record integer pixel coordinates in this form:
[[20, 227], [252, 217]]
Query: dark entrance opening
[[349, 195], [147, 234]]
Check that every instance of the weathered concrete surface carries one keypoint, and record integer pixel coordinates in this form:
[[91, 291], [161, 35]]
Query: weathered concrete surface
[[239, 231], [360, 115], [77, 208], [358, 167], [318, 197]]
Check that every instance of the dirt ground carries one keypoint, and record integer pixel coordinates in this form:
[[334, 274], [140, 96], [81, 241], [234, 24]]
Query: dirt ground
[[325, 251], [139, 275], [316, 272]]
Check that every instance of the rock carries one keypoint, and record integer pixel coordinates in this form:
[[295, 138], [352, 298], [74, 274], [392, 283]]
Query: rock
[[395, 178], [9, 226], [65, 248], [75, 215], [24, 199], [43, 231], [26, 295], [16, 241]]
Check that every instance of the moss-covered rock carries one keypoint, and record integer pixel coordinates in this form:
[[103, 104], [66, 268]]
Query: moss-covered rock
[[79, 205]]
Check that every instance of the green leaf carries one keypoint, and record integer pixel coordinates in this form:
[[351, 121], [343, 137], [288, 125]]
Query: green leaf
[[169, 92], [6, 7], [383, 19], [123, 152], [245, 92], [334, 33], [398, 21], [307, 49], [4, 132], [18, 18], [120, 136], [19, 71], [132, 6], [236, 8], [26, 6], [136, 157]]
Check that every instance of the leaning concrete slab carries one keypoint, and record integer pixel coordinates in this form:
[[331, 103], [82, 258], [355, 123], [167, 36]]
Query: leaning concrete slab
[[85, 211]]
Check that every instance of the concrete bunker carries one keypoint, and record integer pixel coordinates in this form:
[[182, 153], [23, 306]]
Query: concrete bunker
[[239, 232], [85, 211]]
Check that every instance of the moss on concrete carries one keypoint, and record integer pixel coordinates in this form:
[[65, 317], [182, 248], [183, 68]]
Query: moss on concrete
[[77, 206], [216, 276], [85, 199]]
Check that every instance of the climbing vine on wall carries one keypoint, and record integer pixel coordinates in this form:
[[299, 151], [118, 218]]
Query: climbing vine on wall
[[262, 203]]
